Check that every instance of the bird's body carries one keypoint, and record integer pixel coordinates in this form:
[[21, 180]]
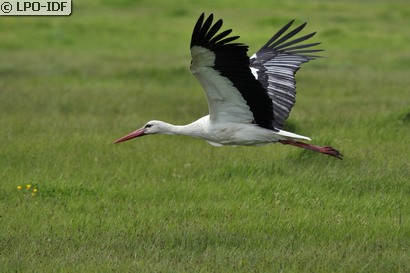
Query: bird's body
[[218, 134], [248, 99]]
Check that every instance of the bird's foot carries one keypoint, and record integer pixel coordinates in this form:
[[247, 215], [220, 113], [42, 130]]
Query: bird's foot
[[327, 150]]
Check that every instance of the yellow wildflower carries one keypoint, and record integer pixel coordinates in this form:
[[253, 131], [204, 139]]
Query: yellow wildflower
[[34, 190], [19, 187], [28, 186]]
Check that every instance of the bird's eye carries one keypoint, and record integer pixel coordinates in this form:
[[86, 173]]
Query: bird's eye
[[148, 126]]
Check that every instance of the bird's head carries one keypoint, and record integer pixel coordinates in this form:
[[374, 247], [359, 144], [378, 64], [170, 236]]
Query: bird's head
[[151, 127]]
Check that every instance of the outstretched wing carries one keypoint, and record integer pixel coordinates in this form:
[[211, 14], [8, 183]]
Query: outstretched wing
[[275, 66], [222, 68]]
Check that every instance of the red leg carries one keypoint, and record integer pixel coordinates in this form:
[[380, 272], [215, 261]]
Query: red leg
[[324, 150]]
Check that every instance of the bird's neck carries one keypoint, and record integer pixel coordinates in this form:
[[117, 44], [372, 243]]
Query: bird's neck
[[195, 129]]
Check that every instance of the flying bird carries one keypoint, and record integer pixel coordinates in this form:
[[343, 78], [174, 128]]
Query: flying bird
[[249, 99]]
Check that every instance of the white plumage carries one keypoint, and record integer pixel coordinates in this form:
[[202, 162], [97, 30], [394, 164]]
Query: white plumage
[[248, 99]]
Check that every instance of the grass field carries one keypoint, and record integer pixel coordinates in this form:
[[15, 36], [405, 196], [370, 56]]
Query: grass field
[[69, 86]]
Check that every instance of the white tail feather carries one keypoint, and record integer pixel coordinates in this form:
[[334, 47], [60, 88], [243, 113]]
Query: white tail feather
[[289, 135]]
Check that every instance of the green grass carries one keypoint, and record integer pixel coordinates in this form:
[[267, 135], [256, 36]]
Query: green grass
[[69, 86]]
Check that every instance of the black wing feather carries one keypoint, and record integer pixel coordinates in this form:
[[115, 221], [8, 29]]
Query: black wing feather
[[279, 33], [197, 28], [220, 36], [214, 29], [288, 35]]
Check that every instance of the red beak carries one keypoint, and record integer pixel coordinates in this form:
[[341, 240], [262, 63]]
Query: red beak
[[137, 133]]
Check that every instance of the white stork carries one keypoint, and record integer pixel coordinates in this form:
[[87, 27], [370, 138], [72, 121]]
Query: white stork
[[248, 99]]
